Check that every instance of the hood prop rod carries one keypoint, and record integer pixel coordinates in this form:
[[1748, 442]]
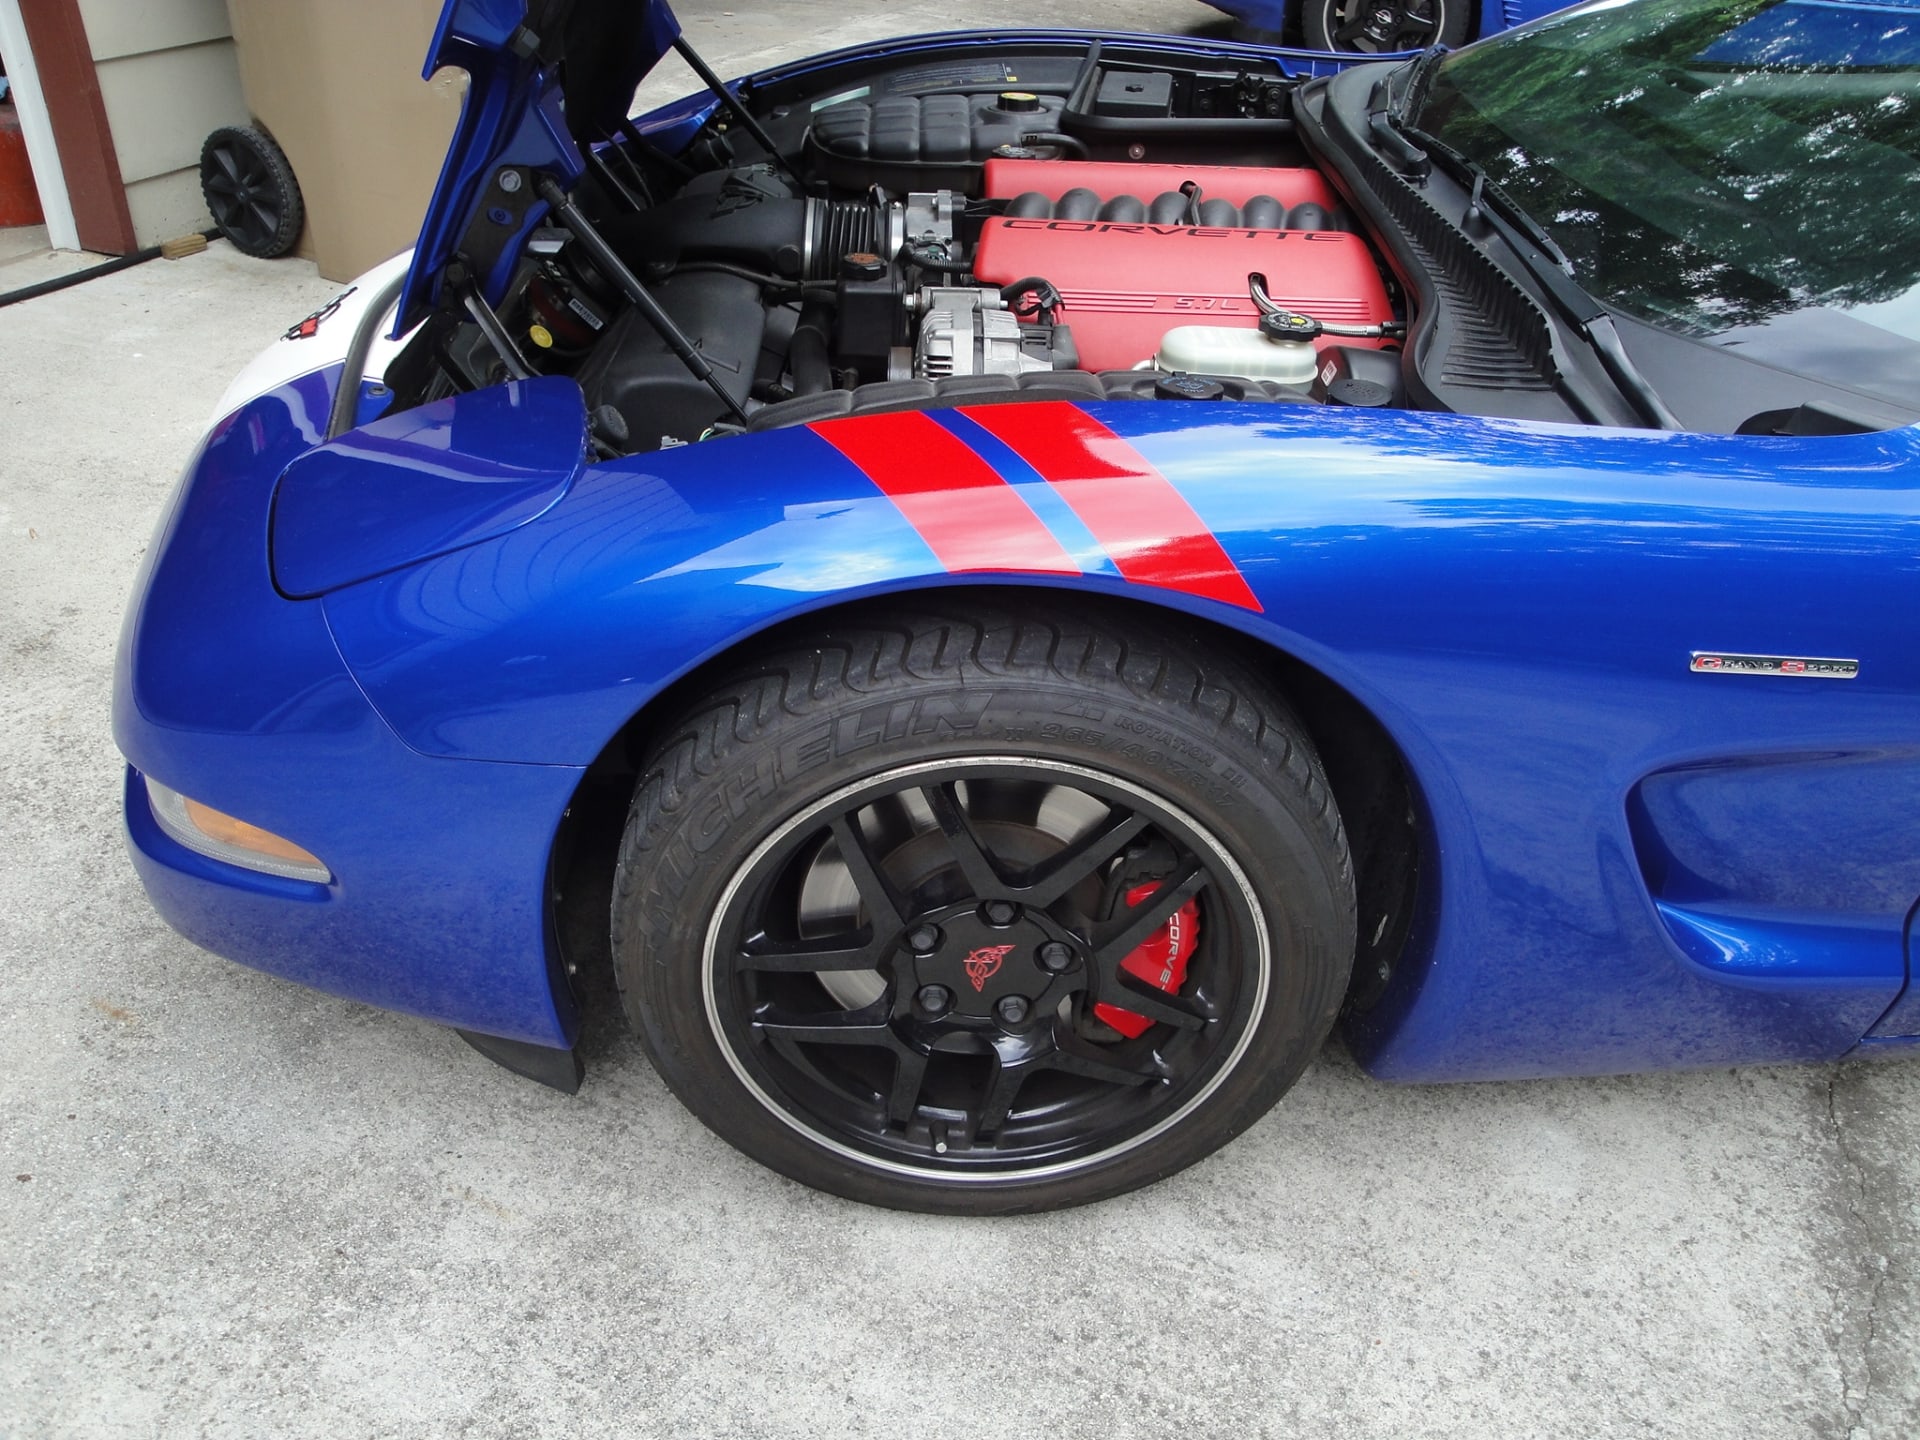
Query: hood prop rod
[[496, 333], [612, 266], [732, 102]]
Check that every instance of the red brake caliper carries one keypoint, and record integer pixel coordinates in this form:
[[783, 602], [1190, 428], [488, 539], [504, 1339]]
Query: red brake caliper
[[1160, 959]]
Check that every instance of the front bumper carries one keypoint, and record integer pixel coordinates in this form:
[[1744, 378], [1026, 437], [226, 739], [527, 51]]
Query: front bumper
[[236, 696]]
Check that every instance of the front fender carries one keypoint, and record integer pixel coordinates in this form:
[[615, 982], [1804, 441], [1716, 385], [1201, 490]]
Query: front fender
[[1516, 604]]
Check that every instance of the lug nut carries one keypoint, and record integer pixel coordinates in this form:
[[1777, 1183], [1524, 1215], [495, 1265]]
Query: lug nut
[[1011, 1008], [935, 1000], [1000, 912], [924, 939], [1056, 956]]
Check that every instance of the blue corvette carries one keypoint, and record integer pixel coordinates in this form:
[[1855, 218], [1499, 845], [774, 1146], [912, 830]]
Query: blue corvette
[[1006, 584]]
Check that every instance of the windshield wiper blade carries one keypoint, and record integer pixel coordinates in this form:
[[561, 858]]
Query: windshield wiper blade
[[1542, 259], [1416, 74]]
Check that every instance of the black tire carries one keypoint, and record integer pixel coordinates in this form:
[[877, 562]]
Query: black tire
[[1060, 785], [250, 191], [1384, 26]]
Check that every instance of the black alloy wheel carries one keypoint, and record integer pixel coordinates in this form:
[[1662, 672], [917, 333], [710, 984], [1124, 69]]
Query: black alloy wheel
[[250, 191], [1383, 26], [897, 918]]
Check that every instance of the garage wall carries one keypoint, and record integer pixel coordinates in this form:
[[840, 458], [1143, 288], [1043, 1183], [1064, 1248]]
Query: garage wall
[[168, 75]]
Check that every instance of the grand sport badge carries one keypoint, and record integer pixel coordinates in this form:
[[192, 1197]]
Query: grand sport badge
[[1715, 662]]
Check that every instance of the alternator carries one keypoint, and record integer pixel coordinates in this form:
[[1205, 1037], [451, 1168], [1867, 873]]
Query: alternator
[[972, 332]]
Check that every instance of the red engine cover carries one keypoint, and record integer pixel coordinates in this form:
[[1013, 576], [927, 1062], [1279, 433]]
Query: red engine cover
[[1126, 283], [1238, 183]]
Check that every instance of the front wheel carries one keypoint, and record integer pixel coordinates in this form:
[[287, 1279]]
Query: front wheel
[[983, 915], [1383, 26]]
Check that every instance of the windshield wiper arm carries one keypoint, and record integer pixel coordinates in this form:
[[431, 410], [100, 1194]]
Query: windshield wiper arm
[[1542, 259], [1385, 109]]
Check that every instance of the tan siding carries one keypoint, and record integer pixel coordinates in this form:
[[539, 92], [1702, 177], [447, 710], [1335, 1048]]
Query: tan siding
[[162, 104], [117, 28], [164, 206]]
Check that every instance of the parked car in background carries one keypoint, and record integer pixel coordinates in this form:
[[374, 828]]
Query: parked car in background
[[1378, 26], [1004, 584]]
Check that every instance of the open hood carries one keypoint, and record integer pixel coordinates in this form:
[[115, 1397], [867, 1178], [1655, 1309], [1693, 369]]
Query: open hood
[[546, 79]]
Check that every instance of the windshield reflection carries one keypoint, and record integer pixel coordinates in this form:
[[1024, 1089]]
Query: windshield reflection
[[1709, 164]]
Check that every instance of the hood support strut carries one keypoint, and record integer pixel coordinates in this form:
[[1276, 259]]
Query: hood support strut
[[727, 98], [610, 264]]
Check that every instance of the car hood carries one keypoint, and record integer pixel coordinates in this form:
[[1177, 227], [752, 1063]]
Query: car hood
[[546, 79]]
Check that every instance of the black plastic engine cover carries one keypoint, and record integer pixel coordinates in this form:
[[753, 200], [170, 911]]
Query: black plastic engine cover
[[916, 142], [749, 216], [633, 370]]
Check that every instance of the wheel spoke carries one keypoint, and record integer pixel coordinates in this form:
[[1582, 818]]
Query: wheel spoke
[[1075, 1057], [909, 1072], [1151, 914], [225, 156], [1009, 1074], [849, 951], [975, 865], [884, 904], [1079, 860], [1120, 989], [1116, 987], [867, 1027]]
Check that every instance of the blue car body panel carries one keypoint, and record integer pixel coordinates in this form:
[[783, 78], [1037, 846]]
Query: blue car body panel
[[1637, 864], [229, 691], [1626, 864], [431, 479]]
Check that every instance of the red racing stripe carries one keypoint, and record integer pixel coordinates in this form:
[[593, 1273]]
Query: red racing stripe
[[970, 517], [1146, 525]]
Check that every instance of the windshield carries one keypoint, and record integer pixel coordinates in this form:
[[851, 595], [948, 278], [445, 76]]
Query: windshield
[[1709, 164]]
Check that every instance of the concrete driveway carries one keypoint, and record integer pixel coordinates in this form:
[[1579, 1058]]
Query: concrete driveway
[[233, 1207]]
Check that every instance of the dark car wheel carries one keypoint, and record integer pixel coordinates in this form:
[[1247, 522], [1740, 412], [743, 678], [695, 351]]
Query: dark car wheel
[[250, 191], [1383, 26], [983, 915]]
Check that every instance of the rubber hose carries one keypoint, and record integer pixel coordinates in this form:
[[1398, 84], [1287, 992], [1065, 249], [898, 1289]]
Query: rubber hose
[[1063, 142], [808, 355]]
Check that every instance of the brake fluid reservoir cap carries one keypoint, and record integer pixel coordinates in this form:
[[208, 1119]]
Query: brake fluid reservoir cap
[[1187, 387], [1022, 102]]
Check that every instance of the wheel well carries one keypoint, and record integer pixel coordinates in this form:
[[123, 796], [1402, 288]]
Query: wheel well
[[1365, 769]]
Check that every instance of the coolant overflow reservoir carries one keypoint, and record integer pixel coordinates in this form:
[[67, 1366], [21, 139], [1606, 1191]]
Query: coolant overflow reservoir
[[1217, 350]]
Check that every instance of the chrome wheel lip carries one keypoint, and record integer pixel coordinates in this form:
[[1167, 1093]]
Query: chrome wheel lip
[[1228, 869]]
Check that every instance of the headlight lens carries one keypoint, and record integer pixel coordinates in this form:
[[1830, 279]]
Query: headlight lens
[[220, 836]]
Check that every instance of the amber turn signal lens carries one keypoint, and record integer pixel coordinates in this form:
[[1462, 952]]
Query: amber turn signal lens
[[229, 831], [225, 837]]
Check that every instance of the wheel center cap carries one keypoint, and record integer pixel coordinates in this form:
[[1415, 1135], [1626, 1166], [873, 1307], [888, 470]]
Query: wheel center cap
[[984, 959]]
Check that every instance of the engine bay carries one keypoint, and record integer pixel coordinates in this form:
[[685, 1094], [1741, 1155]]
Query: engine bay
[[1101, 229]]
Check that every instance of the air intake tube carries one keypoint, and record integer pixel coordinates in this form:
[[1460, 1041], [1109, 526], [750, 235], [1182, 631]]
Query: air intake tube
[[838, 228]]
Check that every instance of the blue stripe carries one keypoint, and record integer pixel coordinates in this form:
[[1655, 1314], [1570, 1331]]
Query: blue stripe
[[1074, 537]]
